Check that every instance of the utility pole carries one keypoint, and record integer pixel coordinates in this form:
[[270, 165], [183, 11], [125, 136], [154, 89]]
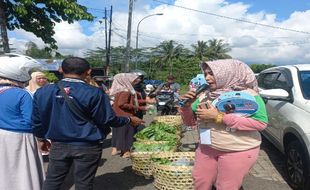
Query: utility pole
[[109, 44], [3, 30], [106, 41], [127, 54]]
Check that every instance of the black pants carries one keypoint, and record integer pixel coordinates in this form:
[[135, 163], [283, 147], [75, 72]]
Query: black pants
[[85, 160]]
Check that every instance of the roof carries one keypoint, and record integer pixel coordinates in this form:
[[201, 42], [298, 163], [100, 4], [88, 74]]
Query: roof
[[50, 64]]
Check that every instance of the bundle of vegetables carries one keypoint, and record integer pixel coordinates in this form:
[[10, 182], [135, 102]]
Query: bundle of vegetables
[[153, 147], [163, 161], [158, 132], [164, 127]]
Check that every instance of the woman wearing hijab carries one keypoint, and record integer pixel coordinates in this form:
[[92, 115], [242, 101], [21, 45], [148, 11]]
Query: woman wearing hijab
[[230, 148], [125, 104], [38, 79], [20, 162]]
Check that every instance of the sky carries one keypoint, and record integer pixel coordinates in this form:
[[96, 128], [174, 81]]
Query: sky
[[258, 31]]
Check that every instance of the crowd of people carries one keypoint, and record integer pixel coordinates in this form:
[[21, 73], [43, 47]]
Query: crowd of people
[[70, 119]]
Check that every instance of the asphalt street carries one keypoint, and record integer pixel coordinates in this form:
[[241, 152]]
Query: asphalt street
[[115, 172]]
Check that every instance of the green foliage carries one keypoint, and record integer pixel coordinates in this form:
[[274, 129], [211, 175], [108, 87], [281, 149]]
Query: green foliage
[[51, 77], [211, 50], [45, 53], [39, 17], [257, 68], [96, 57]]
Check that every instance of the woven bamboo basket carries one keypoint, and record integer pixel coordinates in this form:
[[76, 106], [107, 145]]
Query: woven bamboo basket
[[174, 120], [178, 142], [141, 161], [168, 177]]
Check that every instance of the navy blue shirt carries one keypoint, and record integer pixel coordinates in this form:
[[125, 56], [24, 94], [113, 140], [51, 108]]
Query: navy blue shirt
[[52, 118]]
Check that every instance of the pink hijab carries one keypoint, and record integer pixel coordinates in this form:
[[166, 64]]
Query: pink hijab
[[122, 82], [231, 74]]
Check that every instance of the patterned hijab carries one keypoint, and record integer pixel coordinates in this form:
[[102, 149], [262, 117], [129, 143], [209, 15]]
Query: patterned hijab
[[231, 74], [122, 82], [33, 84]]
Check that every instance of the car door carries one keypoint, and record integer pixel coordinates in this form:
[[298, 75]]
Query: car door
[[277, 121]]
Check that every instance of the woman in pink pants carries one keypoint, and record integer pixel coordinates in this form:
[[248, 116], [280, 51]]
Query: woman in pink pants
[[229, 143]]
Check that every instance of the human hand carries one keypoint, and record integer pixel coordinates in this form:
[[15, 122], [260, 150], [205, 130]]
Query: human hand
[[135, 121], [150, 100], [44, 146], [209, 113], [190, 95]]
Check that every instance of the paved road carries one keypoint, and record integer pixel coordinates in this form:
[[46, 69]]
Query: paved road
[[115, 172]]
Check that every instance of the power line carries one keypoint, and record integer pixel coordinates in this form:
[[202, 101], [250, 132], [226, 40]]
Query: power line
[[235, 19]]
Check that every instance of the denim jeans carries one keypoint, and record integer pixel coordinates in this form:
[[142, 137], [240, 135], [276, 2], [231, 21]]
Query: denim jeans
[[85, 160]]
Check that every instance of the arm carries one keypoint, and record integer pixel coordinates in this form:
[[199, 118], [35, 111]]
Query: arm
[[243, 123], [258, 121], [159, 88], [103, 113], [188, 116], [38, 129], [26, 109], [125, 103]]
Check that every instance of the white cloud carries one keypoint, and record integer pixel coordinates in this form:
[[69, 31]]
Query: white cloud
[[250, 42]]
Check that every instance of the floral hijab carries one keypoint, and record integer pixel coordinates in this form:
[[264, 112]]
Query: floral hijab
[[231, 74]]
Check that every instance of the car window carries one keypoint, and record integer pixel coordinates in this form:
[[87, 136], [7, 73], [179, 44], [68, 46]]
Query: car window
[[266, 80], [281, 82], [305, 83]]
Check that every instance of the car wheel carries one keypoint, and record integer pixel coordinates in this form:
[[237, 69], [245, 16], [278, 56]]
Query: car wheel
[[296, 166]]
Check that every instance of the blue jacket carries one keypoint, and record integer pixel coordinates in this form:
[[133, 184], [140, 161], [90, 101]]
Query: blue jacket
[[15, 109], [52, 118]]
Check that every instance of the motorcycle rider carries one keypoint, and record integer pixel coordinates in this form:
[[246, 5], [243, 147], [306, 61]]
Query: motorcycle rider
[[169, 85]]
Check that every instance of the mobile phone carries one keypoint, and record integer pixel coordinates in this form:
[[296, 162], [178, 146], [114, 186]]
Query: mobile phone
[[204, 105]]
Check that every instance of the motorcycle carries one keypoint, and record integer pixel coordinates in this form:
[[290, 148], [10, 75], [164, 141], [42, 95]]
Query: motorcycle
[[166, 102]]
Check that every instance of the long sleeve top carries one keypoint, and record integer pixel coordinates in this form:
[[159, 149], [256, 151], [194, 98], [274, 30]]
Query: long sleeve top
[[236, 133], [15, 109], [53, 119], [124, 104]]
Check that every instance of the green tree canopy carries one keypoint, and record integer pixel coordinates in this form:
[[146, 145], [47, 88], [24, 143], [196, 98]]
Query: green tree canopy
[[217, 49], [34, 51], [200, 49], [257, 68], [39, 17]]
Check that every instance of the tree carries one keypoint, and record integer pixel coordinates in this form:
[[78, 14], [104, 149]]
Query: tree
[[257, 68], [217, 49], [200, 49], [39, 17], [167, 51], [34, 51]]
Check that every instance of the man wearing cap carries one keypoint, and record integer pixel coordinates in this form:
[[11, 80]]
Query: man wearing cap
[[20, 162]]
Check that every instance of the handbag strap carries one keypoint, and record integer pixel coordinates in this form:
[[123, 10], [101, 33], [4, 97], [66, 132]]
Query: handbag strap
[[72, 106]]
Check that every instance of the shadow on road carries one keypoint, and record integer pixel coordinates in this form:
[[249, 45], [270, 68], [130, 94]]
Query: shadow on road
[[121, 180], [275, 156]]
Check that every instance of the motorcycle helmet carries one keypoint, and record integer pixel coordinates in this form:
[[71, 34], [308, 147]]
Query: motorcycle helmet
[[17, 67], [139, 73]]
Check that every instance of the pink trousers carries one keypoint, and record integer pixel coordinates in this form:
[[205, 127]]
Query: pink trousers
[[224, 170]]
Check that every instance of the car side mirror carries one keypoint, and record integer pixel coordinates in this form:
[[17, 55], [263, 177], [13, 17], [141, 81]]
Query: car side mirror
[[275, 94]]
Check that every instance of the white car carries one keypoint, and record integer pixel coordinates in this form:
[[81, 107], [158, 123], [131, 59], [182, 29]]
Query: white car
[[286, 92]]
